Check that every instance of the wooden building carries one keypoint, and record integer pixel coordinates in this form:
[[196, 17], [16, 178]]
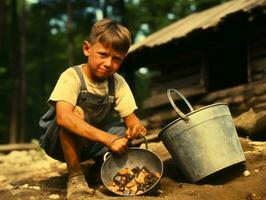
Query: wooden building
[[216, 54]]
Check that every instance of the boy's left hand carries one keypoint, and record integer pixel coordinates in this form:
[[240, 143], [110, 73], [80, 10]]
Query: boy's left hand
[[135, 131]]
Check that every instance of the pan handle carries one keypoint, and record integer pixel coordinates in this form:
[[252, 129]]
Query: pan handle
[[108, 153], [105, 156], [179, 112], [133, 142], [147, 138], [139, 141]]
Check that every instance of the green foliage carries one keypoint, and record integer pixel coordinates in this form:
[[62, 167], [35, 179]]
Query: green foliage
[[47, 41]]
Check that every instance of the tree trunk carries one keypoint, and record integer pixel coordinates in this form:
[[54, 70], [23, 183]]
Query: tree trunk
[[14, 64], [2, 15], [103, 6], [18, 71], [122, 10], [22, 74]]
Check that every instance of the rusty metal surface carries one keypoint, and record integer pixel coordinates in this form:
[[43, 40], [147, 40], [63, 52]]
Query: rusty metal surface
[[200, 20]]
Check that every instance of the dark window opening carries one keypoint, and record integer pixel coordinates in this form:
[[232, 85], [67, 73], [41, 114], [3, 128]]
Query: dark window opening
[[226, 67]]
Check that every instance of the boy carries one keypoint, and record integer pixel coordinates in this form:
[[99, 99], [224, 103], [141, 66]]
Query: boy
[[86, 126]]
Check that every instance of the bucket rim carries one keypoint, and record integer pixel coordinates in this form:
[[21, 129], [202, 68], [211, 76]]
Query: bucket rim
[[191, 113]]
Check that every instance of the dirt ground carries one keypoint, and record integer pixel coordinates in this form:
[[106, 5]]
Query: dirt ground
[[31, 175]]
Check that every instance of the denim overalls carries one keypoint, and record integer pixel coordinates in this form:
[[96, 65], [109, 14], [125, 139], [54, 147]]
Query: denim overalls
[[99, 112]]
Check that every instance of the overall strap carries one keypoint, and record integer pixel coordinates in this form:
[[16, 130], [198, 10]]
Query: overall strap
[[82, 81], [111, 82], [111, 86]]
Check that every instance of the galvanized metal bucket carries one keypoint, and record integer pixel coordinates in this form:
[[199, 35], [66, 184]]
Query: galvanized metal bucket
[[203, 141]]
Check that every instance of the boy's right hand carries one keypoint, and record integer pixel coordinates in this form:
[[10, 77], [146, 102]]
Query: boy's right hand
[[118, 145]]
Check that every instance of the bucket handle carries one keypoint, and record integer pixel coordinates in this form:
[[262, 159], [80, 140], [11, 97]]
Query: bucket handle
[[179, 112]]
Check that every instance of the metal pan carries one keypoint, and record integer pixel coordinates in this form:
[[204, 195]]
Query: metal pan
[[133, 157]]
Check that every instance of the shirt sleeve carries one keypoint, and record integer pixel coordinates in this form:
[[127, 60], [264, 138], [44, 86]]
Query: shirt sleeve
[[66, 88], [125, 102]]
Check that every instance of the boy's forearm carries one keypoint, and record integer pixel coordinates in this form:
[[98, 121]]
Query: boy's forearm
[[131, 120], [134, 127], [77, 126]]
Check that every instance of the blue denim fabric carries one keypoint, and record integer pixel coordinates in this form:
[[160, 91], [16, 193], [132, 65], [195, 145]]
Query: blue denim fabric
[[96, 149]]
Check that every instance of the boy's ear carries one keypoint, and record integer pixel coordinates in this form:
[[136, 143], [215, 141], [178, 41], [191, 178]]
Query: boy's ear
[[86, 48]]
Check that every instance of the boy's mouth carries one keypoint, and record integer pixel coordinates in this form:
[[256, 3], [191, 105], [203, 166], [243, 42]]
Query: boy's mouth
[[104, 71]]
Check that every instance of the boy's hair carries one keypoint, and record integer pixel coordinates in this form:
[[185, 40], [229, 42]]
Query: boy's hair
[[110, 34]]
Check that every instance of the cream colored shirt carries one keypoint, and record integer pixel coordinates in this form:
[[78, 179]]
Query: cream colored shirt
[[68, 86]]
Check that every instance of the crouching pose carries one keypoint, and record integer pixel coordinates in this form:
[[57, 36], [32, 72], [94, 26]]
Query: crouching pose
[[86, 99]]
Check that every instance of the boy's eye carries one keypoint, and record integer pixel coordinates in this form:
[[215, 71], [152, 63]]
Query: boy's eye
[[103, 55], [117, 59]]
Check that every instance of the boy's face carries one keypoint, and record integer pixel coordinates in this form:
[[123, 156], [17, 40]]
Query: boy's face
[[102, 61]]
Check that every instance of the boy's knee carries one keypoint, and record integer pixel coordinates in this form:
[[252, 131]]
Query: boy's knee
[[79, 112]]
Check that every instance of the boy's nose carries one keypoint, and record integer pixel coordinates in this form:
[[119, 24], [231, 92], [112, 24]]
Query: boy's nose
[[108, 62]]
